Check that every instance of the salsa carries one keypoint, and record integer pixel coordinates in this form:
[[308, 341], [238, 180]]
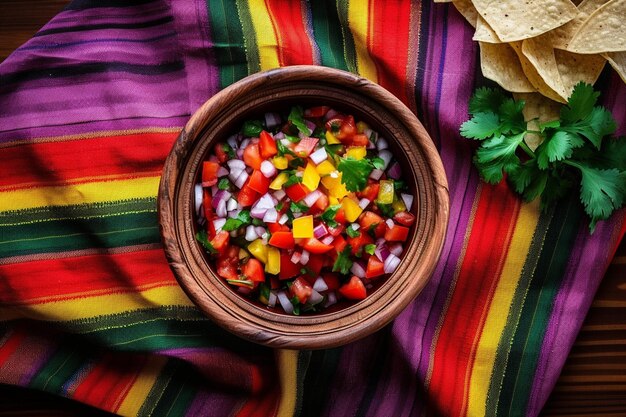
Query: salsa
[[303, 209]]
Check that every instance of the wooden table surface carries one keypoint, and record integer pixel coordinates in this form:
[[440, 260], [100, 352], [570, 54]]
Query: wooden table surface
[[593, 381]]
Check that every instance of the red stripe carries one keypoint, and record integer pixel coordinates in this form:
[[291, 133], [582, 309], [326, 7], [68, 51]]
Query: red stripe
[[57, 162], [389, 42], [295, 46], [72, 277], [10, 345], [453, 358]]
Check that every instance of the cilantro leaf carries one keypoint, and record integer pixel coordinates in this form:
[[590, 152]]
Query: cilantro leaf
[[296, 117], [481, 126], [242, 219], [283, 150], [486, 100], [370, 248], [252, 128], [292, 180], [580, 103], [511, 116], [298, 207], [528, 180], [229, 151], [352, 232], [355, 172], [328, 216], [343, 263], [557, 147], [385, 209], [496, 155], [223, 184], [378, 162], [292, 139], [203, 238]]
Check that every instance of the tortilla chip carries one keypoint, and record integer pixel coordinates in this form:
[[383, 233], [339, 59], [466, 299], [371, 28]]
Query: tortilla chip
[[618, 62], [538, 109], [518, 20], [500, 64], [467, 9], [574, 68], [484, 33], [603, 31], [533, 76], [541, 56]]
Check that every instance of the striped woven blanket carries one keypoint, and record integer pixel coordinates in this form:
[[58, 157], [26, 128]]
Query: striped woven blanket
[[89, 309]]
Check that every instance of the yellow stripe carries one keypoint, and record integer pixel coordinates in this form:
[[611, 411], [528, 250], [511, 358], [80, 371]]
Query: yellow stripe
[[141, 387], [88, 307], [85, 193], [358, 21], [499, 309], [287, 369], [267, 44]]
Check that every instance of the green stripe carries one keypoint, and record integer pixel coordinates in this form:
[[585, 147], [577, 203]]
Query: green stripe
[[537, 309], [249, 36], [179, 392], [158, 389], [89, 231], [327, 34], [228, 42], [60, 368], [349, 50], [320, 375], [504, 345]]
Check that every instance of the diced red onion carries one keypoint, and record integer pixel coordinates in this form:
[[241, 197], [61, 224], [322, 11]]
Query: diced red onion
[[250, 234], [396, 249], [363, 203], [244, 143], [271, 120], [218, 224], [233, 141], [330, 114], [304, 257], [358, 269], [279, 136], [222, 172], [394, 171], [279, 194], [328, 240], [319, 156], [381, 144], [315, 298], [380, 241], [390, 223], [298, 214], [231, 204], [239, 153], [355, 226], [320, 285], [235, 173], [312, 197], [299, 173], [213, 158], [221, 195], [310, 125], [331, 298], [295, 257], [214, 190], [408, 200], [260, 231], [241, 179], [320, 231], [386, 156], [376, 174], [271, 216], [284, 302], [391, 263], [233, 214], [220, 210], [198, 196], [265, 202], [236, 164], [285, 142], [382, 252], [265, 238], [271, 300], [258, 212], [283, 219], [268, 169]]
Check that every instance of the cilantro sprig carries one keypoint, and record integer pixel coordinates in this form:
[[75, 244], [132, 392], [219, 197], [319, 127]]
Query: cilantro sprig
[[575, 151], [242, 219]]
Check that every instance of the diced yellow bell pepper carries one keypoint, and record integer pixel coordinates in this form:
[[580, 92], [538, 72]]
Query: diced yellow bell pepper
[[357, 152], [310, 177], [303, 227], [334, 185], [243, 254], [361, 126], [331, 139], [258, 250], [333, 200], [351, 209], [398, 204], [278, 182], [385, 192], [280, 162], [273, 260], [325, 168]]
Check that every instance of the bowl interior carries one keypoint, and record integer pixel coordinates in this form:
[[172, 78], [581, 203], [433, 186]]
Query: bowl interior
[[221, 117]]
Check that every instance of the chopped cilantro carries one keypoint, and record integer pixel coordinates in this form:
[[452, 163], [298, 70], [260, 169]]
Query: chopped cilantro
[[242, 219], [229, 151], [296, 162], [399, 185], [296, 305], [378, 162], [202, 237], [283, 150], [223, 184], [259, 222], [292, 180], [343, 263], [370, 248], [292, 139], [296, 117], [386, 209], [333, 149], [307, 271], [352, 232], [252, 128], [298, 207], [355, 172], [328, 216]]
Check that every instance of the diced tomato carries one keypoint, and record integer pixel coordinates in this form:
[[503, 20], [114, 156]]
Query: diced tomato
[[315, 264], [370, 191], [375, 268], [247, 196], [319, 111], [220, 241], [306, 146], [360, 140], [369, 220], [315, 246], [339, 243], [287, 268], [331, 280], [358, 242], [221, 154], [253, 270], [354, 289], [347, 130], [334, 124], [404, 218], [336, 231], [322, 202], [274, 282], [267, 145], [252, 156], [209, 173], [259, 182], [209, 215], [340, 217], [296, 192], [300, 288], [227, 263], [397, 233], [277, 227], [283, 240]]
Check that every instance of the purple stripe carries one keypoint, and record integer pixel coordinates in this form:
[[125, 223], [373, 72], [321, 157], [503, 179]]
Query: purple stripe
[[211, 402], [401, 388], [119, 14], [46, 45]]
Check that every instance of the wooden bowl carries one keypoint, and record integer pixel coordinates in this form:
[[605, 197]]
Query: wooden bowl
[[223, 115]]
